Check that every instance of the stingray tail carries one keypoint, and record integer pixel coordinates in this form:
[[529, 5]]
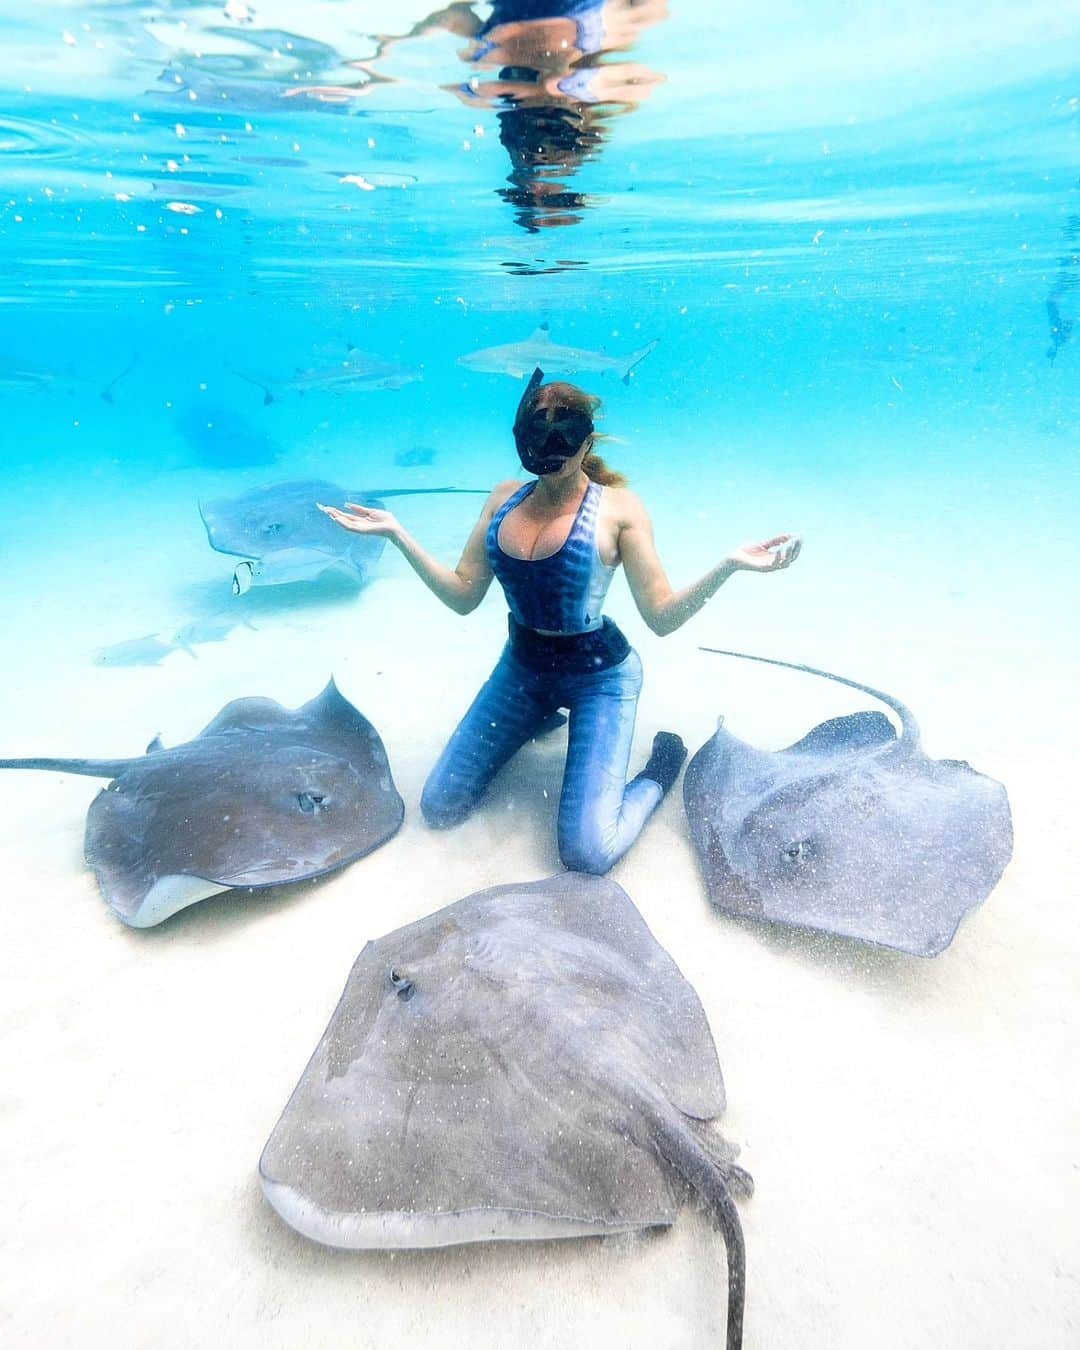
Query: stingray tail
[[424, 492], [709, 1176], [106, 393], [908, 725], [90, 768]]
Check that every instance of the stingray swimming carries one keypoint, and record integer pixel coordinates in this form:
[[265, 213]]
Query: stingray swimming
[[220, 438], [526, 1063], [283, 536], [263, 795], [852, 830]]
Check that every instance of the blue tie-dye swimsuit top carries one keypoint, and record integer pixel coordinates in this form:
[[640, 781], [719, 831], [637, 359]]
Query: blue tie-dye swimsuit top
[[565, 592]]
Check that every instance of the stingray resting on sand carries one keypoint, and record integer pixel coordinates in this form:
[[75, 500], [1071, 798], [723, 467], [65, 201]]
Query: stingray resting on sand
[[526, 1063], [852, 830], [283, 536], [264, 795]]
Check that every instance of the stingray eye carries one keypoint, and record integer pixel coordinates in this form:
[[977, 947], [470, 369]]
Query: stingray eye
[[402, 985], [797, 852], [274, 527], [311, 802]]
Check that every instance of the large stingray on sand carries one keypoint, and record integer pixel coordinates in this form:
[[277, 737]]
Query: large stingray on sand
[[283, 536], [526, 1063], [852, 830], [262, 796]]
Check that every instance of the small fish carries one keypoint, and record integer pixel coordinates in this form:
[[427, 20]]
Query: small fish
[[286, 565], [149, 650], [521, 358], [209, 628], [358, 372]]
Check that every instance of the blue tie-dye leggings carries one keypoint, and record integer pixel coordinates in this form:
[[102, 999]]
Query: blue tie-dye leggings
[[600, 814]]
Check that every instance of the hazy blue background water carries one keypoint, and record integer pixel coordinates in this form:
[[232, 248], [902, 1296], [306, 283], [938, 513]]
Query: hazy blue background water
[[843, 228]]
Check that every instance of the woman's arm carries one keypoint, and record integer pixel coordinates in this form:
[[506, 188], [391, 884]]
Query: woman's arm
[[665, 609], [462, 587]]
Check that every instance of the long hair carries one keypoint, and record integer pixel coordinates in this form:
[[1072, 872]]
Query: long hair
[[560, 396]]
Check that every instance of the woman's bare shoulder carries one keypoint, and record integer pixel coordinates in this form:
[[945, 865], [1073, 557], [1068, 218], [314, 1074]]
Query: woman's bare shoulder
[[626, 506], [501, 492]]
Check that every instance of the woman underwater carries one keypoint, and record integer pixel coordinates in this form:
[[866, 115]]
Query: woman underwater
[[554, 544]]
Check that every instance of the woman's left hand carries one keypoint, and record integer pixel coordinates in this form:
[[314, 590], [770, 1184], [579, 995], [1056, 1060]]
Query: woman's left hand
[[771, 555]]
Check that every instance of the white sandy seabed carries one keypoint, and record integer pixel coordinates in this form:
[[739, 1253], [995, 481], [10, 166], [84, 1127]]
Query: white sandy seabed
[[911, 1125]]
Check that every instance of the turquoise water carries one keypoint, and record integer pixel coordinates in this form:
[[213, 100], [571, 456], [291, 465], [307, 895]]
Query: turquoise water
[[844, 234], [855, 240]]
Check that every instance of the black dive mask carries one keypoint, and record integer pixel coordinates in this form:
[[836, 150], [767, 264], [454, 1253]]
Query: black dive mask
[[543, 446]]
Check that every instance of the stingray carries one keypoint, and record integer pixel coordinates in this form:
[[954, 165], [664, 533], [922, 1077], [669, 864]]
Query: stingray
[[220, 438], [852, 830], [283, 536], [526, 1063], [263, 795]]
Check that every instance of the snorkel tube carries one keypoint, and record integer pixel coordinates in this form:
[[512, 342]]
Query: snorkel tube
[[545, 443]]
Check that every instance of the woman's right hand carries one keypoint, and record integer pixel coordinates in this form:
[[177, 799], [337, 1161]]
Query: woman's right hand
[[363, 520], [771, 555]]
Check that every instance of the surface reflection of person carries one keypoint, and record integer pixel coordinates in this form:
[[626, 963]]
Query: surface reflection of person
[[554, 543], [552, 94], [553, 91]]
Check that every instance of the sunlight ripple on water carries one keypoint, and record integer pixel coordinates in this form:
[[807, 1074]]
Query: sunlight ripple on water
[[25, 138]]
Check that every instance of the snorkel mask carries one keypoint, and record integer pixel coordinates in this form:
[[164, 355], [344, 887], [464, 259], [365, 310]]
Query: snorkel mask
[[544, 446]]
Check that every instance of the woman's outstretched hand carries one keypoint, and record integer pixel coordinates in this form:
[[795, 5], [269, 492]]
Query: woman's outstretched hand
[[771, 555], [363, 519]]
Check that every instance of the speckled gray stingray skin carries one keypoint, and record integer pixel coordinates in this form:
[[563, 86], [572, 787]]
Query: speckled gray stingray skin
[[852, 830], [526, 1063], [284, 536], [263, 795]]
